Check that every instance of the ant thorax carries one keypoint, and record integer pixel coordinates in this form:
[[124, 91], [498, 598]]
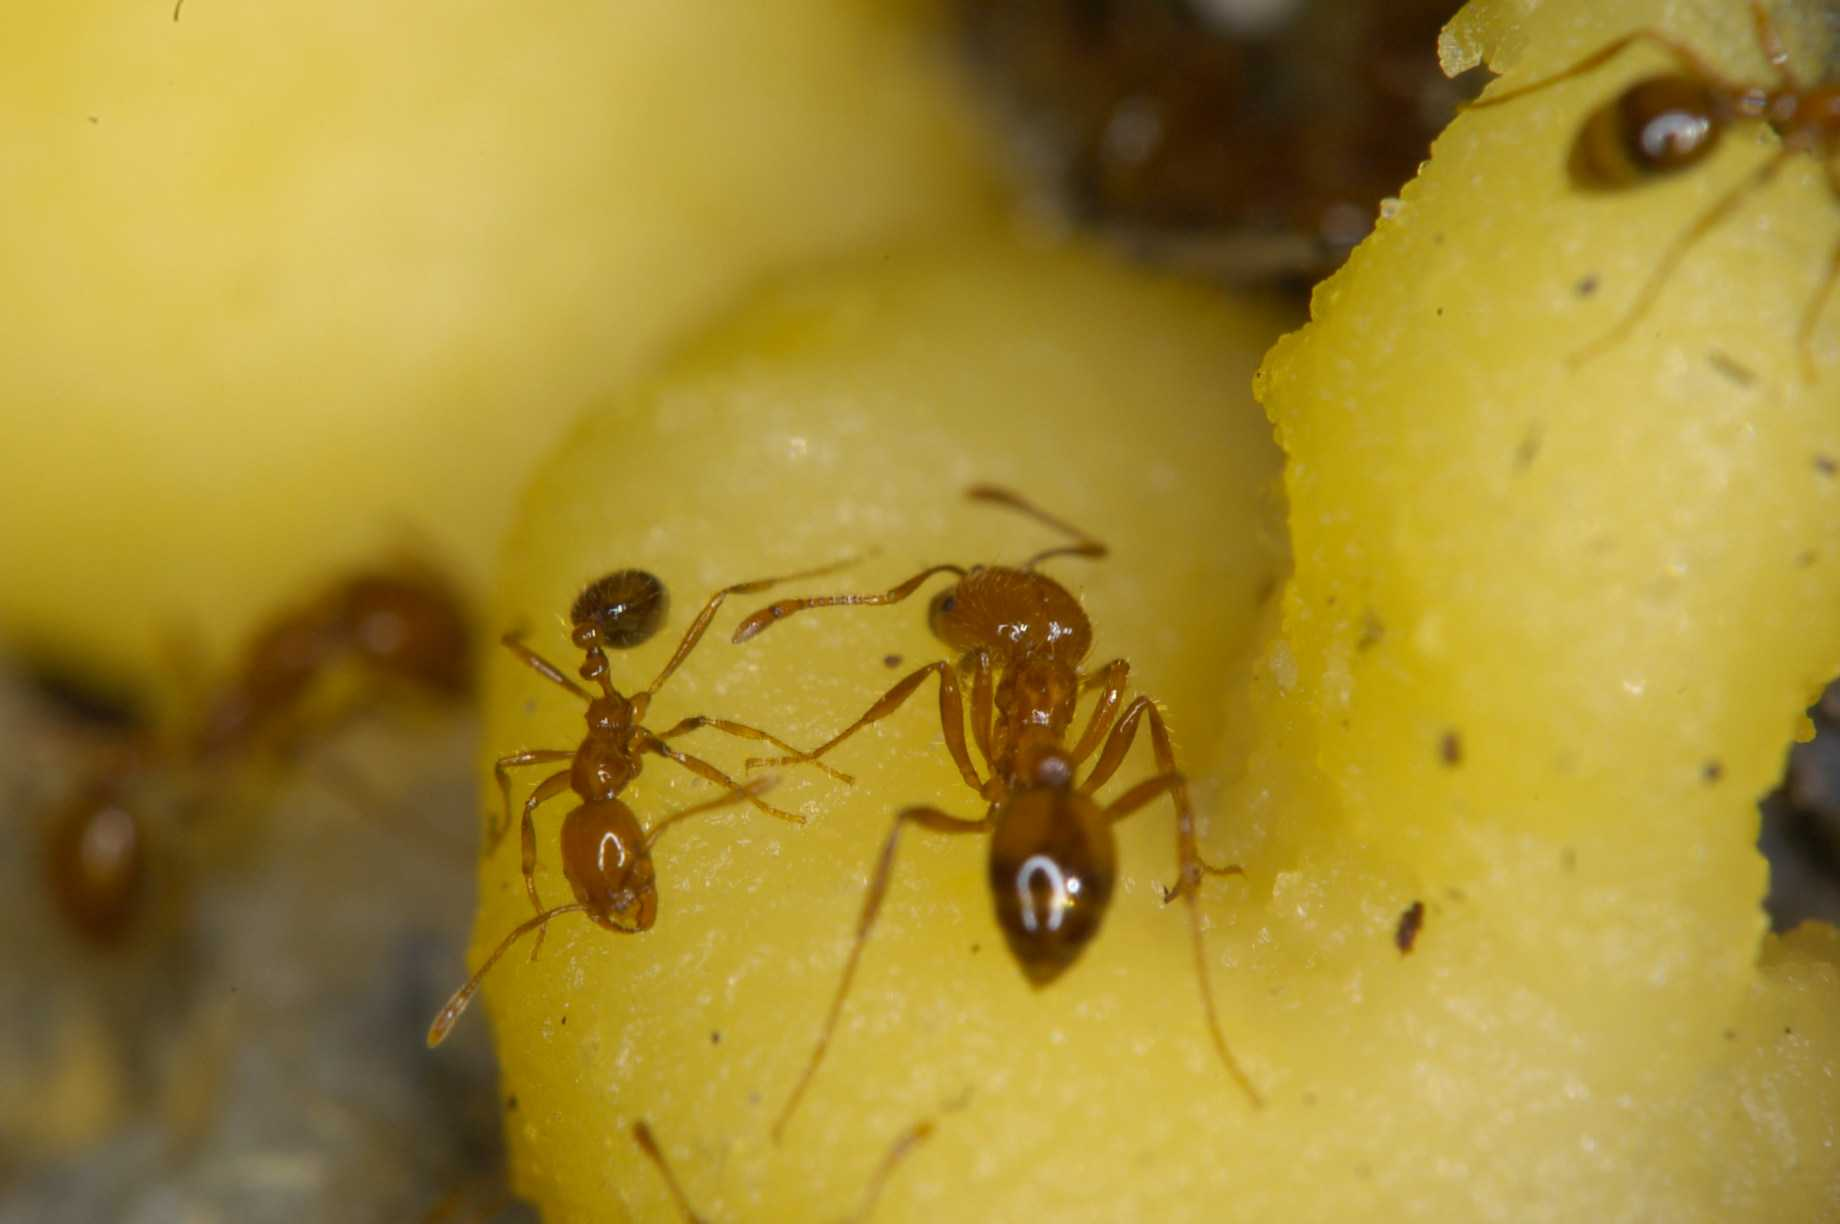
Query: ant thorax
[[1035, 701]]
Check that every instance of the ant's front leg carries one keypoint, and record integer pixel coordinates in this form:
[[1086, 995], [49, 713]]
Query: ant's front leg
[[743, 731], [649, 742], [501, 769]]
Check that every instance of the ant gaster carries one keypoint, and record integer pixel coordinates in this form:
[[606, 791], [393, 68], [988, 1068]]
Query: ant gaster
[[1666, 123], [1022, 636], [606, 854]]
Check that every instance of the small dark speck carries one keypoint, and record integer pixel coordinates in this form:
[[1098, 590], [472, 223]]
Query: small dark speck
[[1364, 1171], [1308, 1098], [1450, 749], [1805, 558], [976, 948], [1440, 312], [1406, 934], [1437, 239], [1731, 1034], [94, 120], [1456, 894], [1711, 772], [1373, 630], [1787, 1031], [1825, 465], [565, 1020], [715, 1037], [1528, 450], [892, 660], [1586, 286], [511, 1103], [1568, 859], [754, 1097], [1732, 368]]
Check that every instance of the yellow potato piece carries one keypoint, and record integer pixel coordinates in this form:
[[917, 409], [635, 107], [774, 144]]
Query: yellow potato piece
[[1550, 629], [844, 414], [291, 287]]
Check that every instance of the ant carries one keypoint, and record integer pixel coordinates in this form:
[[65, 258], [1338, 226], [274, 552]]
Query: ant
[[606, 855], [898, 1151], [1022, 636], [1666, 123]]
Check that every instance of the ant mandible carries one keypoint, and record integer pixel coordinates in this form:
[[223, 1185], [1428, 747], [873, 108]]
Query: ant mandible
[[606, 855], [1666, 123], [1022, 637]]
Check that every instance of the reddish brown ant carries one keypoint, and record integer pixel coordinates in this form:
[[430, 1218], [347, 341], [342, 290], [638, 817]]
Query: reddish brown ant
[[606, 855], [1668, 122], [898, 1151], [96, 857], [1022, 637]]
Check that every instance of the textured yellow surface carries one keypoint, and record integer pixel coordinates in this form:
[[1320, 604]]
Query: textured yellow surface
[[290, 286], [844, 414], [1550, 630]]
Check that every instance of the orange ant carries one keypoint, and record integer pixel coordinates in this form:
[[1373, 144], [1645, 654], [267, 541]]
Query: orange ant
[[1022, 637], [1665, 123], [606, 855], [898, 1151]]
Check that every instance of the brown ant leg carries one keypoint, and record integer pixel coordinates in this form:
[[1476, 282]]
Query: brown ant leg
[[1651, 289], [754, 622], [1119, 743], [642, 1135], [1770, 41], [951, 721], [501, 769], [983, 703], [1172, 783], [899, 1150], [741, 794], [1083, 545], [926, 818], [1112, 678], [1684, 55], [743, 731], [1804, 337], [444, 1021], [542, 666], [549, 788], [700, 625], [703, 769]]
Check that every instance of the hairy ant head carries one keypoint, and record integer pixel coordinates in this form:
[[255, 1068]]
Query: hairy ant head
[[625, 608], [1655, 127], [1011, 613], [1052, 866]]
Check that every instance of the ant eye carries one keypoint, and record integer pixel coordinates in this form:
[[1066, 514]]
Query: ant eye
[[626, 607], [943, 606]]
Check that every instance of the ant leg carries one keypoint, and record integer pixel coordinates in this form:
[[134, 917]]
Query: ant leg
[[1111, 678], [642, 1135], [1684, 55], [951, 721], [1188, 853], [754, 622], [1770, 41], [1172, 783], [743, 731], [1812, 315], [1083, 545], [700, 625], [546, 790], [741, 794], [898, 1151], [501, 769], [542, 666], [983, 703], [1651, 289], [926, 818], [444, 1021], [703, 769]]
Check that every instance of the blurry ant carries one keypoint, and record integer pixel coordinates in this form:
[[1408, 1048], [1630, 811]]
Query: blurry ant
[[898, 1151], [96, 851], [1022, 637], [1665, 123], [606, 855]]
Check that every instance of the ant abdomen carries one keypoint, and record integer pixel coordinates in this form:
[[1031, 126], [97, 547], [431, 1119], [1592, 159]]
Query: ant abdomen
[[1655, 127], [1053, 863], [625, 608], [608, 866]]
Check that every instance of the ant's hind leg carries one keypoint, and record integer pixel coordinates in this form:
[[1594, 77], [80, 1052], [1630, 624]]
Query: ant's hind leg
[[703, 769], [546, 790], [648, 1143], [501, 769], [1822, 294], [926, 818]]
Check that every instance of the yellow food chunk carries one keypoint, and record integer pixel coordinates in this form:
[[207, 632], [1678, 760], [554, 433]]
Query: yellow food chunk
[[290, 287], [844, 414]]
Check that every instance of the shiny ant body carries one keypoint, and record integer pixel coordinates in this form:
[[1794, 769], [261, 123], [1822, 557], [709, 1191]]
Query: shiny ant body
[[1669, 122], [1021, 637], [606, 854]]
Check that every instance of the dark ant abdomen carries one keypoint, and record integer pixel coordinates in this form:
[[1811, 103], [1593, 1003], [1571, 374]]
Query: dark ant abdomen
[[1053, 862]]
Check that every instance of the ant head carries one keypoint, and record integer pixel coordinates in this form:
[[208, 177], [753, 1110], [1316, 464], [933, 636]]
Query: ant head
[[620, 610], [1011, 612], [412, 628], [1656, 126], [605, 860], [1052, 867]]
